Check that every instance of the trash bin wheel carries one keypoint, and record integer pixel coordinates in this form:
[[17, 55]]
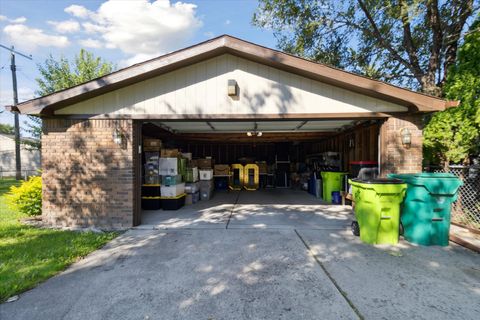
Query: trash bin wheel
[[400, 229], [355, 228]]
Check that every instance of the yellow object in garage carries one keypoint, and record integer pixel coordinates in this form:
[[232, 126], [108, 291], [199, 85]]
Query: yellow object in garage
[[251, 177], [236, 180]]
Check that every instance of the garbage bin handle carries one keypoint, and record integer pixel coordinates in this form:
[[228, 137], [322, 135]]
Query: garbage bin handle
[[385, 217]]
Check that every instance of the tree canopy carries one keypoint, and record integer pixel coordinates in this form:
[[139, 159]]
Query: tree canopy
[[411, 43], [61, 74], [5, 128], [454, 134]]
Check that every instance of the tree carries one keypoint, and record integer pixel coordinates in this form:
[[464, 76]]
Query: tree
[[408, 42], [61, 74], [454, 134], [6, 128], [58, 75]]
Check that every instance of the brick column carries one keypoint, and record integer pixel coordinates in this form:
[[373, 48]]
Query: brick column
[[395, 157], [87, 177]]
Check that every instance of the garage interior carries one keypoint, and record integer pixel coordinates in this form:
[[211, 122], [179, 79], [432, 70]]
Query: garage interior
[[290, 155]]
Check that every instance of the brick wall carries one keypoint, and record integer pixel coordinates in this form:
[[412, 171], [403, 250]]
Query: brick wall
[[87, 177], [396, 158]]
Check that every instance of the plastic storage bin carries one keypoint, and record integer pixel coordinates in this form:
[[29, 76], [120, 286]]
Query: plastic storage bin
[[377, 209], [151, 203], [332, 181], [206, 174], [171, 180], [427, 206], [172, 191], [168, 166], [151, 190], [173, 203]]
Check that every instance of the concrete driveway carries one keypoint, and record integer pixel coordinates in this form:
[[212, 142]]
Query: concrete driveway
[[277, 260]]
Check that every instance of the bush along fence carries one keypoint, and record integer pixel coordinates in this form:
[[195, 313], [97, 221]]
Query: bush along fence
[[466, 210]]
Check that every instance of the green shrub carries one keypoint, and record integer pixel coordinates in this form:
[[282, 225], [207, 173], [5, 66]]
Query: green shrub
[[26, 198]]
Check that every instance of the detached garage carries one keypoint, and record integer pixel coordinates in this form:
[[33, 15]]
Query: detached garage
[[226, 101]]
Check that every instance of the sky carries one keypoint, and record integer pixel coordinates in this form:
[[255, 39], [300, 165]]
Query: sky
[[121, 31]]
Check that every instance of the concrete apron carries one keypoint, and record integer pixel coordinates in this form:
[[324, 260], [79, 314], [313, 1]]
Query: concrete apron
[[202, 270]]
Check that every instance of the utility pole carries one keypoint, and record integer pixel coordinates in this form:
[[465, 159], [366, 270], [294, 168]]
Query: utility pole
[[13, 67]]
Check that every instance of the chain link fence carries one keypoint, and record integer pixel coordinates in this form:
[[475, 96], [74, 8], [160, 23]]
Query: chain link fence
[[466, 210]]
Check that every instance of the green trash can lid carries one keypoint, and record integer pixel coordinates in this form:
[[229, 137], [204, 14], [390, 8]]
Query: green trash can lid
[[435, 183], [379, 181]]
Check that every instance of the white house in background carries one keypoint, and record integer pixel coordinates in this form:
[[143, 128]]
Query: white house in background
[[30, 158]]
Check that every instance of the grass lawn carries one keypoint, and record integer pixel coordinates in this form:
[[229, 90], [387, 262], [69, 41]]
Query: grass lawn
[[30, 255]]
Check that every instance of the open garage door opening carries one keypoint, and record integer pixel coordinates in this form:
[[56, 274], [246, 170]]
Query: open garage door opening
[[251, 172]]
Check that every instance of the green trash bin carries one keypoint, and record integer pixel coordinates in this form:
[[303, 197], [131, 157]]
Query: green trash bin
[[427, 206], [332, 181], [377, 209]]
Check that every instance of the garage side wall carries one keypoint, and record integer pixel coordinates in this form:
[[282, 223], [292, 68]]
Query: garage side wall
[[395, 157], [87, 177]]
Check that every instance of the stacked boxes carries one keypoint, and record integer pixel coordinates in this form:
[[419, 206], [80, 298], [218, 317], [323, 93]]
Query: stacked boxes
[[206, 184], [192, 189], [172, 189], [151, 186]]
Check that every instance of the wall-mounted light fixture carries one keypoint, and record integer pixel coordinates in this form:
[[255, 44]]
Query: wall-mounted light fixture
[[406, 136], [232, 88]]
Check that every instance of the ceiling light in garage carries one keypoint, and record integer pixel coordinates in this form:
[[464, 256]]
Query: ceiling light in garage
[[254, 133]]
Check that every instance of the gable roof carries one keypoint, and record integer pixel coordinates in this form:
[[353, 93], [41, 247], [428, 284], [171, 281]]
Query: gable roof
[[46, 105]]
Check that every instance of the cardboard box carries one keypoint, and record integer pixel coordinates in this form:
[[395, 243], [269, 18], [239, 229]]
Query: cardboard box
[[205, 163], [169, 153], [193, 163], [192, 187], [171, 180], [191, 175], [172, 191], [221, 169], [168, 166], [206, 174], [152, 144]]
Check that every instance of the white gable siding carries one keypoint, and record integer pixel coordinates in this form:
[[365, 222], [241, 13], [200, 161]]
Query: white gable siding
[[202, 89]]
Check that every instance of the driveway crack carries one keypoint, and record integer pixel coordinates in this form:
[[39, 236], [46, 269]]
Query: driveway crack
[[233, 209], [337, 286]]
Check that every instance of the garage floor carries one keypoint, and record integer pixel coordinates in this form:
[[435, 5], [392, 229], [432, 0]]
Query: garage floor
[[270, 208], [286, 258]]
